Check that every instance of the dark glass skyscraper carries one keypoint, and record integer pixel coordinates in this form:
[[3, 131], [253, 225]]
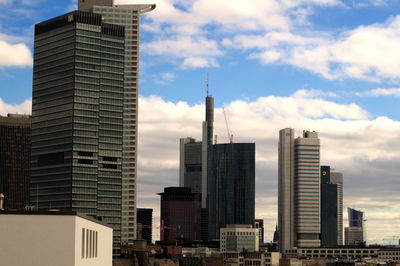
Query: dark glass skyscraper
[[356, 218], [15, 152], [231, 186], [329, 210], [77, 117], [180, 214], [145, 218]]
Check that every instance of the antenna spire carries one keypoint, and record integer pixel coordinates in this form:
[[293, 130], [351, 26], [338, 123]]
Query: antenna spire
[[207, 84]]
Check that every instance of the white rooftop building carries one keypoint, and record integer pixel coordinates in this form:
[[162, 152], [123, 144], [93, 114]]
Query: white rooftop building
[[53, 238], [236, 237]]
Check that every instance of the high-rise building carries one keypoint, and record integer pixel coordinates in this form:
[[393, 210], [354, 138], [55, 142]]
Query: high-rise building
[[259, 223], [354, 236], [337, 178], [129, 17], [15, 152], [356, 220], [180, 214], [193, 163], [329, 210], [145, 219], [299, 190], [77, 117], [231, 186]]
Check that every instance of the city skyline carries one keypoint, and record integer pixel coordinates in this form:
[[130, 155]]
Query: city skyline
[[360, 139]]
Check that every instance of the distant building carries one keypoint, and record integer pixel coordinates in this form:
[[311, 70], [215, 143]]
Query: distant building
[[337, 178], [298, 190], [15, 152], [180, 214], [145, 219], [239, 237], [354, 236], [251, 258], [54, 238], [356, 218], [259, 223], [231, 186]]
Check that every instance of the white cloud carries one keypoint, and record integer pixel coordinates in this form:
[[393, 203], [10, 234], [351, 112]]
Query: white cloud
[[365, 150], [198, 62], [23, 108], [14, 55], [395, 92], [165, 78]]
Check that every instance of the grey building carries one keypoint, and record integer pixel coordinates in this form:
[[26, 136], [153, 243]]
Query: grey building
[[129, 17], [337, 178], [299, 190], [239, 237], [15, 153], [231, 186], [354, 236], [77, 117]]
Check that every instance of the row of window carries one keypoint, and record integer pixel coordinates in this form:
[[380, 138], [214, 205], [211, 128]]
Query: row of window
[[89, 243]]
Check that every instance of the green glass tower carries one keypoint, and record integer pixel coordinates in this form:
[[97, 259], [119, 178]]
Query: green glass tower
[[77, 117], [129, 17]]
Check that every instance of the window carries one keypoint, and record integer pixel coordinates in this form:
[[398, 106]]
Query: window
[[89, 243]]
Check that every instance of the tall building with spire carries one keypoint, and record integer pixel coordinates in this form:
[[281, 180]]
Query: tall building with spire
[[129, 17], [298, 190]]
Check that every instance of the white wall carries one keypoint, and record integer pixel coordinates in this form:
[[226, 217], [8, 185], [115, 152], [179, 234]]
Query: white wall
[[50, 240]]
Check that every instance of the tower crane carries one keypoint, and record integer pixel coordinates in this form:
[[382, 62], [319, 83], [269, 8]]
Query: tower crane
[[230, 135]]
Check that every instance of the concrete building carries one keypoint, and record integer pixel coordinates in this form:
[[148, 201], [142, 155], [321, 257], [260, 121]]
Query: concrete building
[[54, 238], [251, 258], [145, 219], [129, 17], [15, 153], [299, 190], [77, 117], [342, 253], [239, 237], [354, 236], [231, 186], [180, 214], [259, 223], [337, 179]]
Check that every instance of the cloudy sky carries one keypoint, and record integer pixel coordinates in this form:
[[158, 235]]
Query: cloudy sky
[[332, 66]]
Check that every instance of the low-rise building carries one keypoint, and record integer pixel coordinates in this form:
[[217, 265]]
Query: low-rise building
[[239, 237], [353, 236], [340, 253], [251, 258], [49, 238]]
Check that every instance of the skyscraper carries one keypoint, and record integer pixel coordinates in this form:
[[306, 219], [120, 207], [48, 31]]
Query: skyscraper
[[299, 190], [355, 234], [329, 209], [337, 178], [77, 117], [145, 219], [15, 152], [129, 17], [231, 186], [180, 214]]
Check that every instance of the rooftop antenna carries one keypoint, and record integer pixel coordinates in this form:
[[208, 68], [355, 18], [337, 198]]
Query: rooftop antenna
[[207, 84]]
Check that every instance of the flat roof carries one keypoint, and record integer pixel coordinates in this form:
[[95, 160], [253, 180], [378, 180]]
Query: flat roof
[[56, 213]]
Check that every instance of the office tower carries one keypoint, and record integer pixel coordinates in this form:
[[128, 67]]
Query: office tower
[[286, 190], [190, 171], [299, 190], [259, 223], [329, 210], [231, 186], [337, 178], [129, 17], [180, 214], [145, 219], [357, 219], [15, 152], [354, 236], [77, 117], [239, 237]]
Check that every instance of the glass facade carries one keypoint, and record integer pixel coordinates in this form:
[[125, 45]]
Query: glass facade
[[15, 152], [356, 218], [231, 186], [77, 127]]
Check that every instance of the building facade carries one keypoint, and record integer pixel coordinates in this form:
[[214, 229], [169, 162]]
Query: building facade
[[259, 223], [239, 237], [77, 117], [58, 238], [354, 236], [180, 214], [337, 179], [231, 186], [145, 220], [129, 17], [15, 152], [329, 209], [299, 190]]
